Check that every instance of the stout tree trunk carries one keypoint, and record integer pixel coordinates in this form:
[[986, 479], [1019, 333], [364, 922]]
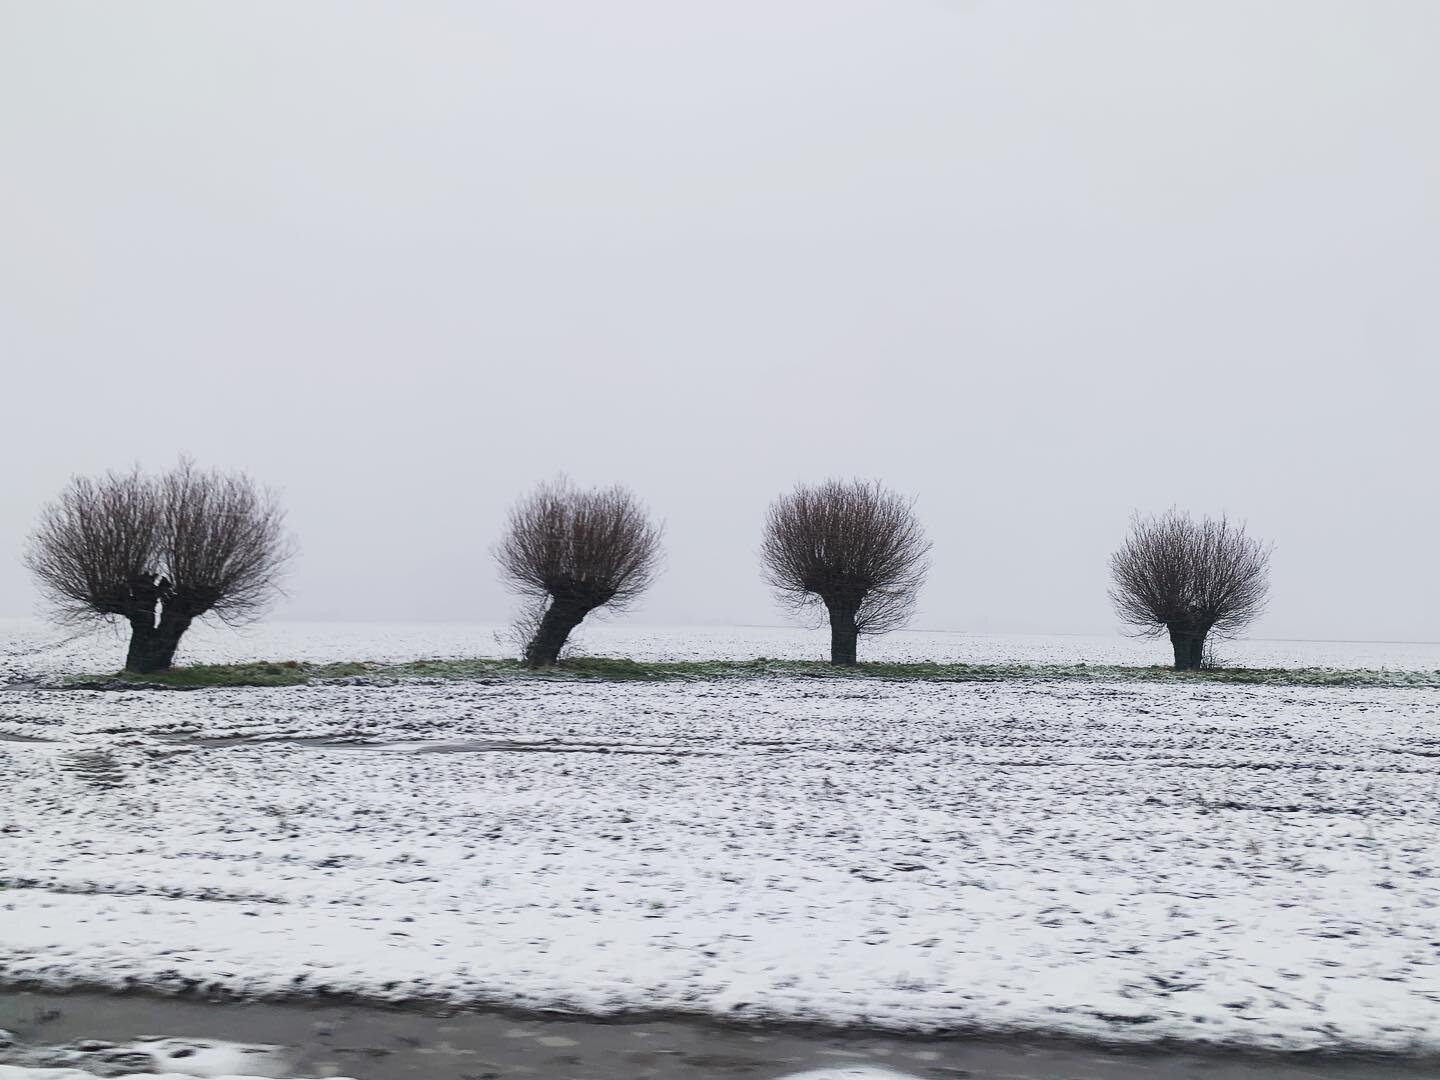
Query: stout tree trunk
[[1189, 645], [555, 626], [152, 644], [843, 634]]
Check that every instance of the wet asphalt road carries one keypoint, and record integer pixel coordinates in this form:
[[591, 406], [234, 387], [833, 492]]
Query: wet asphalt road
[[380, 1044]]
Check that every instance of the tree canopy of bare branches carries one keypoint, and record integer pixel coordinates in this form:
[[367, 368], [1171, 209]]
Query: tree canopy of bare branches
[[159, 552], [574, 551], [1190, 579], [853, 546]]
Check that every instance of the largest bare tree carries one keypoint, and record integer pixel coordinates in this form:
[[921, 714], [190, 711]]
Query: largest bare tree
[[854, 547], [573, 551], [1189, 579], [159, 552]]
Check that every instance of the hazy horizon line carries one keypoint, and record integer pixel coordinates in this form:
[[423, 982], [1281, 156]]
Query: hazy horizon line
[[760, 626]]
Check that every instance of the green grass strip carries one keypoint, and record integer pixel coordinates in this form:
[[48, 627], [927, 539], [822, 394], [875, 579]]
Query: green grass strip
[[296, 673]]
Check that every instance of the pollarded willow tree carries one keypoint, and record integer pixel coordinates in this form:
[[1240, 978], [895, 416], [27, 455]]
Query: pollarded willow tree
[[159, 552], [572, 551], [854, 547], [1190, 579]]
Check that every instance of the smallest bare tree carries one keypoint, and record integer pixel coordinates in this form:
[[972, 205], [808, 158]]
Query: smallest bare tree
[[574, 551], [855, 547], [159, 553], [1190, 579]]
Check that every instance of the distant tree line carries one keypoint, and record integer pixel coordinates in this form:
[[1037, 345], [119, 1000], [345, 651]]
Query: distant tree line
[[158, 552]]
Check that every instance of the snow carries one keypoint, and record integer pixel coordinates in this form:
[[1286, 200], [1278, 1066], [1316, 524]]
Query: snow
[[17, 1072], [150, 1058], [1246, 865], [11, 1072]]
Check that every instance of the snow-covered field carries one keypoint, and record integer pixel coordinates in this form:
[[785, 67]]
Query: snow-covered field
[[1256, 865]]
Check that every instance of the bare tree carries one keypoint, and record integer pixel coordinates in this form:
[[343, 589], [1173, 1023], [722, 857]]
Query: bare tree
[[1190, 579], [852, 546], [159, 553], [575, 551]]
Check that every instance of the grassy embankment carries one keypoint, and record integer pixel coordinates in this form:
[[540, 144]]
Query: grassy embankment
[[294, 673]]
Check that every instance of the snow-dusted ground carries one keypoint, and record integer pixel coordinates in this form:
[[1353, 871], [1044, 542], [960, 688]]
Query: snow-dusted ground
[[16, 1072], [1255, 865], [150, 1058], [153, 1069]]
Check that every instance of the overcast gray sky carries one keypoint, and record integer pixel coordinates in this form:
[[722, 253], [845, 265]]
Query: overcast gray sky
[[1039, 264]]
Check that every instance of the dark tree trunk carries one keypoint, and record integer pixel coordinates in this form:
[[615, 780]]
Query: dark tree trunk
[[1189, 646], [843, 635], [555, 626], [153, 645]]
